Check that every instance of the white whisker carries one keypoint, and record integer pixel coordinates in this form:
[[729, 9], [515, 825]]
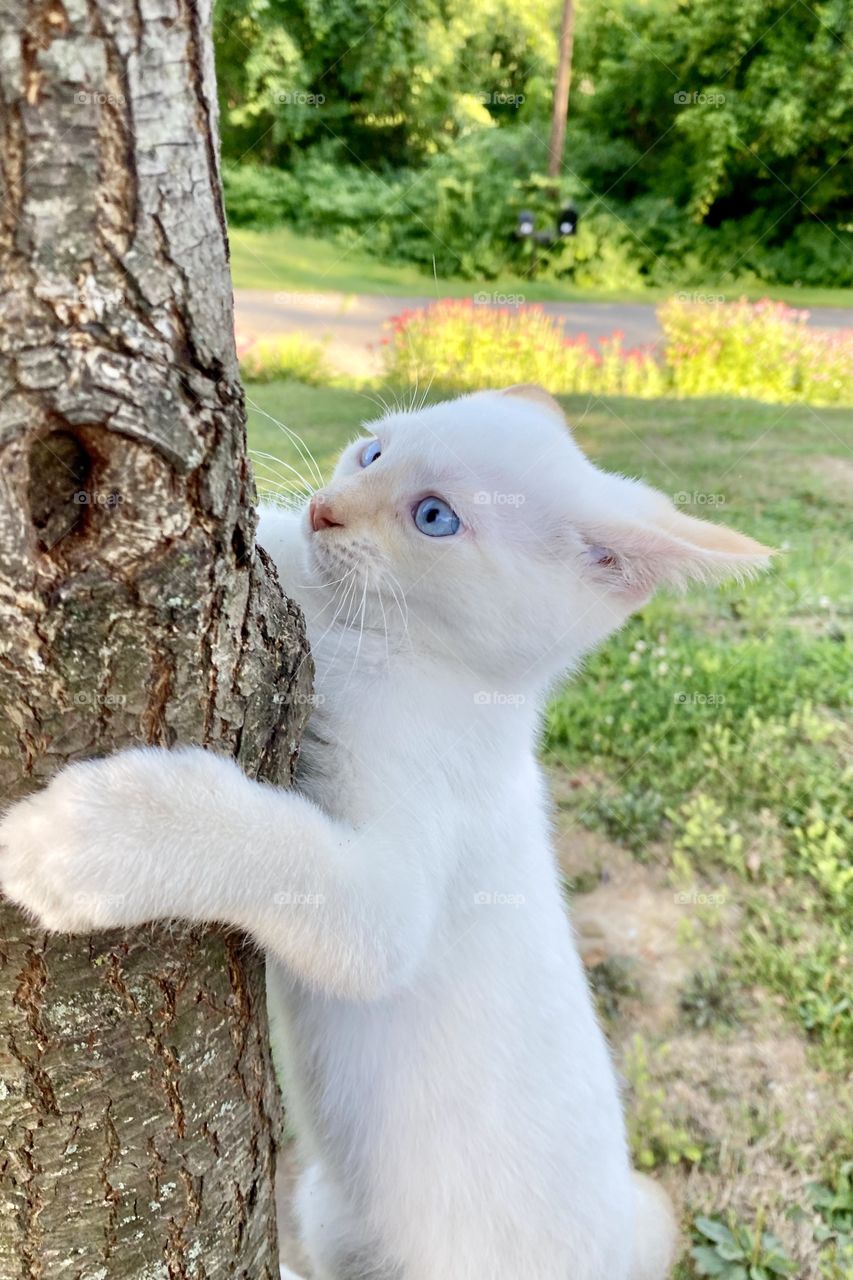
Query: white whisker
[[404, 615], [270, 460], [385, 626], [333, 598], [305, 452], [378, 400], [361, 614], [276, 483], [350, 595]]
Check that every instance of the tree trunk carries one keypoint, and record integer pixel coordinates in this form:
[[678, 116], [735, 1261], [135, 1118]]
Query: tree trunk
[[560, 110], [138, 1107]]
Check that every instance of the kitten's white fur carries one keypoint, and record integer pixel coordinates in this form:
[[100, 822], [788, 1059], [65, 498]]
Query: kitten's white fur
[[453, 1094]]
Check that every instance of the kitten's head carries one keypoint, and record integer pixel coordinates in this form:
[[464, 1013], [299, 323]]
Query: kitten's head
[[515, 554]]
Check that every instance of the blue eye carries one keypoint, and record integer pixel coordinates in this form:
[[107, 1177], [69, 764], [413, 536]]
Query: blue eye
[[371, 451], [435, 518]]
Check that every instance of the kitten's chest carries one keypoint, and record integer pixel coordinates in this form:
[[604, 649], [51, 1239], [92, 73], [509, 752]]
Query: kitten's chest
[[414, 750], [368, 766]]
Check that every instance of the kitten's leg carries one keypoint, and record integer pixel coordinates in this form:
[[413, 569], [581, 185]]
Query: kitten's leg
[[151, 834], [332, 1234], [656, 1232]]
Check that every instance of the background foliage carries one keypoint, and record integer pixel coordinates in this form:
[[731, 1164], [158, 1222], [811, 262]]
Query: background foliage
[[707, 140]]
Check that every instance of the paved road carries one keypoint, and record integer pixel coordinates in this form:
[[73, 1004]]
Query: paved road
[[352, 323]]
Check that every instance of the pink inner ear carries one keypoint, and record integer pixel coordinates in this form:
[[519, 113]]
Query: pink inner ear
[[603, 557]]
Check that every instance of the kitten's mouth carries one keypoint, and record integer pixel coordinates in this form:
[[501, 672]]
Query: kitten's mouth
[[365, 594], [335, 559]]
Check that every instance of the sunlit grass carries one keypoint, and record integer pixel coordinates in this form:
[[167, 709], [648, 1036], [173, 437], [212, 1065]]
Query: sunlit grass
[[280, 259]]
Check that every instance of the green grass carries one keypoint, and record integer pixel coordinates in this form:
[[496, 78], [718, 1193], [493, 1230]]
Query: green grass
[[326, 418], [282, 260]]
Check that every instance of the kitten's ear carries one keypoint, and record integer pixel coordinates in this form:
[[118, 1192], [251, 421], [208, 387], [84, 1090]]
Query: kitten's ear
[[538, 395], [668, 548]]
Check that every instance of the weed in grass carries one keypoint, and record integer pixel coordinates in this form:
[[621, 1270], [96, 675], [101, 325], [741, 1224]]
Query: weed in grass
[[705, 836], [806, 960], [711, 999], [613, 981], [832, 1201], [655, 1139], [734, 1251]]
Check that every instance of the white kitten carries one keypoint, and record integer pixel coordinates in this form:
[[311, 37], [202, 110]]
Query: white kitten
[[456, 1105]]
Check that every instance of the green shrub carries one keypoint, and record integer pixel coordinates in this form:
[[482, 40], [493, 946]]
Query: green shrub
[[463, 347], [762, 351], [457, 215], [258, 196], [270, 359], [707, 145]]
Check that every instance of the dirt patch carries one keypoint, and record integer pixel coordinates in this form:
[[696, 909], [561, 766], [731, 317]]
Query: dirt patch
[[629, 913], [766, 1117]]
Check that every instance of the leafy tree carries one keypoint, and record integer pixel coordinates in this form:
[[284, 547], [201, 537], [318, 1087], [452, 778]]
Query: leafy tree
[[722, 107], [389, 85], [707, 140]]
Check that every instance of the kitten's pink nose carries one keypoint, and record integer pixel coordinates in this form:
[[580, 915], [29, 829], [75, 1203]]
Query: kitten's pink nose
[[321, 514]]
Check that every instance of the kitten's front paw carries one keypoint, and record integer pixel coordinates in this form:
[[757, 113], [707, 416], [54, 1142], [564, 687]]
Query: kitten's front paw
[[70, 855]]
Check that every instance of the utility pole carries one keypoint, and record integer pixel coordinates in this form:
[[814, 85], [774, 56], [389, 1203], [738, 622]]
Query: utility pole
[[557, 140]]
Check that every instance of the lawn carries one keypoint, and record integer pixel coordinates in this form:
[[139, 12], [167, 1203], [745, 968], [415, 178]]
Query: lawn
[[280, 259], [701, 769]]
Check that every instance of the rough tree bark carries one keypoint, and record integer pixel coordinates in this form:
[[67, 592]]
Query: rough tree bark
[[138, 1109]]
